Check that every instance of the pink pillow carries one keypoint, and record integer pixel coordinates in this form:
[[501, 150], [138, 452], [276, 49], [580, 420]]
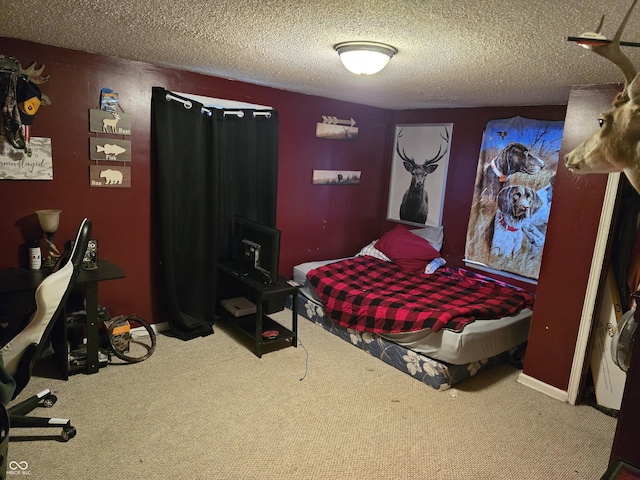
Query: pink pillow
[[411, 252]]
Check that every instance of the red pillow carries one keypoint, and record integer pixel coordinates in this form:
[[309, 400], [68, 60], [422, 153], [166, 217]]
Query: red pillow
[[411, 252]]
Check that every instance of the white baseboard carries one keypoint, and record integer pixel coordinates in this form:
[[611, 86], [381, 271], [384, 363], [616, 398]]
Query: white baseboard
[[542, 387], [156, 327], [160, 327]]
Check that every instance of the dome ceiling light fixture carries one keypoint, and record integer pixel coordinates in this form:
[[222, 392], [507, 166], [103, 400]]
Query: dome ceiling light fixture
[[365, 58]]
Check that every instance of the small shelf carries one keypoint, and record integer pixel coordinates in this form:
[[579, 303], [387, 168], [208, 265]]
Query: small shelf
[[76, 324], [268, 299], [78, 328], [247, 324], [78, 358]]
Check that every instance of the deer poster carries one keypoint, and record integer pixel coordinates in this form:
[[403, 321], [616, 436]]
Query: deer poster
[[419, 173], [512, 195]]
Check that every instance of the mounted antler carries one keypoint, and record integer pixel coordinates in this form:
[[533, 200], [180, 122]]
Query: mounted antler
[[611, 51], [613, 148], [35, 76]]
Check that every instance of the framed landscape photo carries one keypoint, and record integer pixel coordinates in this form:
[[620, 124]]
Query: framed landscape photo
[[419, 173], [336, 177]]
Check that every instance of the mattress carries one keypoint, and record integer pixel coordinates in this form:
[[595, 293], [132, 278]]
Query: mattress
[[300, 277], [479, 340]]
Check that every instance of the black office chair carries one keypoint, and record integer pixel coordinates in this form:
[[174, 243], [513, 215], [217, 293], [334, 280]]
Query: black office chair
[[19, 354]]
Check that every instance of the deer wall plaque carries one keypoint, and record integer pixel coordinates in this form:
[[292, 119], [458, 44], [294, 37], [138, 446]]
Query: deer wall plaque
[[615, 147]]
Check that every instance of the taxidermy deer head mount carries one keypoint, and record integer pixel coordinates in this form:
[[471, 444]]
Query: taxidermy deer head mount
[[615, 147]]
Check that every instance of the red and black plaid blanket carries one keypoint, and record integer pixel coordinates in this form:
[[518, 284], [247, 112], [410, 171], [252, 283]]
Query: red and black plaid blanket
[[372, 295]]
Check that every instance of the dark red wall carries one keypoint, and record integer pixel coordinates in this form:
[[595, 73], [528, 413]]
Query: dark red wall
[[568, 249]]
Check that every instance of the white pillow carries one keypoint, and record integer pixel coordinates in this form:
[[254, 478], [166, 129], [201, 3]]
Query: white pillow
[[433, 235], [372, 251]]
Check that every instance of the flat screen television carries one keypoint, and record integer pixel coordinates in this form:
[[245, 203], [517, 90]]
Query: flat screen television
[[256, 248]]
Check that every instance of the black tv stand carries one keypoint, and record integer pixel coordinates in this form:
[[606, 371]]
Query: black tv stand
[[258, 276], [269, 298], [238, 269]]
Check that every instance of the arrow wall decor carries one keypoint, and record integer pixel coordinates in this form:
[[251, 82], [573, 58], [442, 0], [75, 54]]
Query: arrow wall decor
[[334, 128], [336, 121]]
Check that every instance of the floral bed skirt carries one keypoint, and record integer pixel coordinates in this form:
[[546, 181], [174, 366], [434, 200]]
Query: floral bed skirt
[[437, 374]]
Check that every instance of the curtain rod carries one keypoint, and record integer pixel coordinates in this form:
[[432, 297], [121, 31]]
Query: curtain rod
[[240, 113], [187, 104]]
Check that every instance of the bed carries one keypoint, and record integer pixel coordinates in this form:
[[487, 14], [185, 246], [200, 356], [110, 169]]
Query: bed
[[436, 334]]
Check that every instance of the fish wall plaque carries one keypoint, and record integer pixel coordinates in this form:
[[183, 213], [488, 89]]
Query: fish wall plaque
[[109, 149]]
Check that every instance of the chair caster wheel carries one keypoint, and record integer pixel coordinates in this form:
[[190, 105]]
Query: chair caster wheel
[[68, 433], [49, 401]]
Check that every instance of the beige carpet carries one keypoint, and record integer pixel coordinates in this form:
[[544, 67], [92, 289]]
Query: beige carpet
[[210, 409]]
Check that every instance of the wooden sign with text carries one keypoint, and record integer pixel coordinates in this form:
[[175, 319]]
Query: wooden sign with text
[[117, 123], [109, 149], [16, 164], [109, 176]]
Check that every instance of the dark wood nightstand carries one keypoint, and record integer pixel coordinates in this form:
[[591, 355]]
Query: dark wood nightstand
[[268, 299]]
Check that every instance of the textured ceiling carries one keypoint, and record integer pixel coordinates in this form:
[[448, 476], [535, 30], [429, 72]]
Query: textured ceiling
[[450, 54]]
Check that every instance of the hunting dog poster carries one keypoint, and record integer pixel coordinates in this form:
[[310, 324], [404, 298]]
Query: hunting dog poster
[[419, 173], [512, 195]]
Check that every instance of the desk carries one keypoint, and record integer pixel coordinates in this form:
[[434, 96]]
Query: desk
[[14, 280]]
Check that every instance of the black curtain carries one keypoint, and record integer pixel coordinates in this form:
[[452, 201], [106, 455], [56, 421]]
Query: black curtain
[[210, 165], [248, 151]]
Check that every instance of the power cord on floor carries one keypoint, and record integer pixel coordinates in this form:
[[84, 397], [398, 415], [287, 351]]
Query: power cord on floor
[[306, 363]]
